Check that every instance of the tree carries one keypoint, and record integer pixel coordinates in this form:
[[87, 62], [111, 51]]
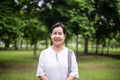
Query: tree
[[80, 21], [33, 31], [107, 20], [9, 26]]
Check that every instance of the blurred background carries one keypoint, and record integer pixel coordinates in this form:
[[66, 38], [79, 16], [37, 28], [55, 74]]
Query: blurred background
[[93, 32]]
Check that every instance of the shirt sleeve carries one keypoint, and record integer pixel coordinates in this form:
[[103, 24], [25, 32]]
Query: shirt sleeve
[[40, 68], [74, 66]]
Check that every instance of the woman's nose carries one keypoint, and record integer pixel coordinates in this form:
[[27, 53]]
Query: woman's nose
[[57, 35]]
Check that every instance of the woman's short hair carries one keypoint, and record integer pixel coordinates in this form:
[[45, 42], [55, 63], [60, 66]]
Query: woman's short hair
[[58, 24]]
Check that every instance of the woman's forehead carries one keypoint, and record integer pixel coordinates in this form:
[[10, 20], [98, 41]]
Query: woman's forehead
[[59, 29]]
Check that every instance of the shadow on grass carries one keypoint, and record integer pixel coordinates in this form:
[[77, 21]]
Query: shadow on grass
[[115, 56]]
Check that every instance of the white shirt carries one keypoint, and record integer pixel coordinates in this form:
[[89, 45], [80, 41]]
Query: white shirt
[[55, 67]]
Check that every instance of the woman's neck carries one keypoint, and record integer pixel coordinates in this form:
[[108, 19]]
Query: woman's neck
[[57, 49]]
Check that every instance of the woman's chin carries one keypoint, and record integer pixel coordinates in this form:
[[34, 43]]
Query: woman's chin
[[57, 45]]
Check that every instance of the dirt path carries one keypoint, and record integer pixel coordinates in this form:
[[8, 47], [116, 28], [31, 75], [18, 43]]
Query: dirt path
[[102, 66]]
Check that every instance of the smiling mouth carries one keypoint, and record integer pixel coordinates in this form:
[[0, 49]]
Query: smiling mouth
[[57, 40]]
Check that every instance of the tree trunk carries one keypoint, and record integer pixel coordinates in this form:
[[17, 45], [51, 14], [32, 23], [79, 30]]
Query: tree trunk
[[26, 45], [108, 46], [102, 50], [86, 46], [77, 44], [21, 42], [92, 46], [7, 44], [96, 51], [15, 45], [103, 46], [34, 51]]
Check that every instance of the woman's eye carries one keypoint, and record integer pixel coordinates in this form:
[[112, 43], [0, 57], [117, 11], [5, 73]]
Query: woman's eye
[[54, 33], [60, 33]]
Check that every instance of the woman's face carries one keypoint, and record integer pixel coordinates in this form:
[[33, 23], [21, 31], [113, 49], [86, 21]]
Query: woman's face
[[57, 36]]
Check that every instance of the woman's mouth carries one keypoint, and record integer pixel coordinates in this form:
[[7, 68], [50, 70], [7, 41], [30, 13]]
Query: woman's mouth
[[57, 40]]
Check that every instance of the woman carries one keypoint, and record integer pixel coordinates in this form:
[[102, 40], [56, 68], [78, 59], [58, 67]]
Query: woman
[[53, 61]]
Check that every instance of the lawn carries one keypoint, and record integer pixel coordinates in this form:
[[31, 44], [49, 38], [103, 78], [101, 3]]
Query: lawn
[[19, 65], [98, 68]]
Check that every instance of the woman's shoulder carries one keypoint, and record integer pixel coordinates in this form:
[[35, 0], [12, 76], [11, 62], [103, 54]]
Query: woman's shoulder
[[46, 50], [69, 49]]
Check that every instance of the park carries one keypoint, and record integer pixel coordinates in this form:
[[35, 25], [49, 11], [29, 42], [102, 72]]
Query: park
[[93, 33]]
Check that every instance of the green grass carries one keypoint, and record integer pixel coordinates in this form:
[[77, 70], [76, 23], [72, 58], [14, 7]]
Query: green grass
[[19, 65], [98, 68]]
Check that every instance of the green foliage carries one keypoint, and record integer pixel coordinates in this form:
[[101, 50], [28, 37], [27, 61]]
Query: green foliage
[[9, 23], [34, 30], [95, 20], [107, 12]]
